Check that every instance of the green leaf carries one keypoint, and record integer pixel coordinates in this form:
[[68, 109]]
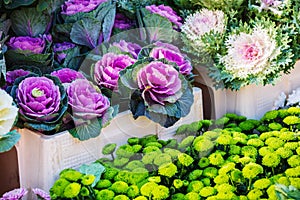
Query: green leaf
[[109, 115], [62, 31], [29, 22], [49, 5], [108, 23], [185, 102], [11, 4], [159, 28], [95, 169], [43, 61], [8, 140], [89, 129], [86, 32], [40, 127], [4, 26], [164, 120]]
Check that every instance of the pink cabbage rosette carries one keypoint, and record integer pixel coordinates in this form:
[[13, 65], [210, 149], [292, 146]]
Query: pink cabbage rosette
[[42, 102], [72, 7], [26, 43], [128, 47], [106, 73], [86, 102], [172, 54], [167, 12], [67, 75], [160, 83], [157, 90]]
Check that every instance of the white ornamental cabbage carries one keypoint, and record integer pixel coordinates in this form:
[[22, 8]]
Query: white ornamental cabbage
[[8, 112], [250, 53]]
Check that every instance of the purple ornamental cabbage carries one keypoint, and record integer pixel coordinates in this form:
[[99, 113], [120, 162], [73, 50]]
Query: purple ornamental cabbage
[[11, 76], [41, 194], [67, 75], [172, 54], [15, 194], [72, 7], [58, 49], [160, 83], [26, 43], [122, 22], [86, 102], [38, 98], [107, 69], [167, 12], [128, 47]]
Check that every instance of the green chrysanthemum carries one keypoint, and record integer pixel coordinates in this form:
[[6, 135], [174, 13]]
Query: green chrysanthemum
[[195, 186], [271, 160], [287, 136], [147, 188], [262, 183], [255, 143], [251, 170], [234, 150], [291, 145], [249, 151], [105, 194], [265, 150], [203, 162], [72, 190], [227, 168], [274, 143], [216, 159], [255, 194], [291, 120], [160, 192], [284, 152], [294, 161], [221, 178], [207, 191], [284, 181], [224, 139], [88, 179], [185, 159], [168, 170], [71, 175], [225, 187]]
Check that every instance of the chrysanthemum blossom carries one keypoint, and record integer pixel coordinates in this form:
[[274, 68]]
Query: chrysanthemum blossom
[[203, 22], [250, 53], [8, 112]]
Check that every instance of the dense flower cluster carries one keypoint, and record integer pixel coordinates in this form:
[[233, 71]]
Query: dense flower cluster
[[238, 164]]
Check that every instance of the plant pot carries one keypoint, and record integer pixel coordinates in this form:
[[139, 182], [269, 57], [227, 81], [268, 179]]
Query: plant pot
[[42, 157], [251, 101]]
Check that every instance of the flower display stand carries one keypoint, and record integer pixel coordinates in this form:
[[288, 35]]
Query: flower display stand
[[251, 101], [42, 157]]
